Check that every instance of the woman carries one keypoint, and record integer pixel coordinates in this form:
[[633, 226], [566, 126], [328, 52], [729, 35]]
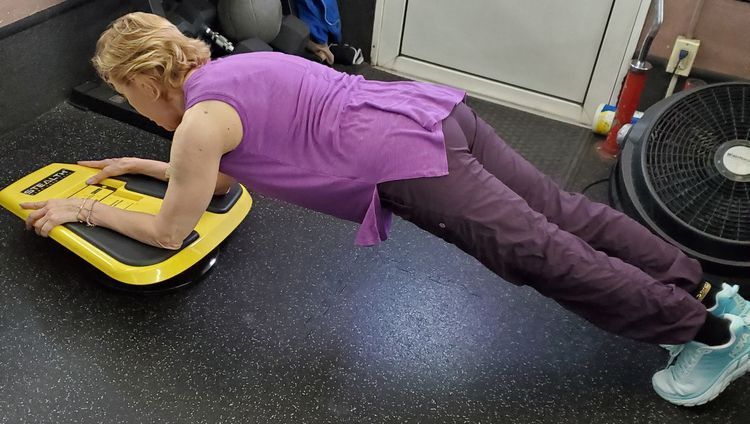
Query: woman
[[361, 150]]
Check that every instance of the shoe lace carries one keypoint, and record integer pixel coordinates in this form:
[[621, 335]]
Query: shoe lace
[[683, 360], [740, 302], [735, 296], [674, 351]]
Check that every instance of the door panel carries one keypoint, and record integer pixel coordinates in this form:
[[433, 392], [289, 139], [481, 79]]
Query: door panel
[[549, 47]]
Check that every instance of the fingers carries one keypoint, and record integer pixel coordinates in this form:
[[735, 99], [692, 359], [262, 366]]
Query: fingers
[[46, 228], [101, 164], [33, 205], [109, 168], [47, 221], [102, 175], [34, 217], [40, 209], [38, 225], [95, 163], [43, 226], [50, 214]]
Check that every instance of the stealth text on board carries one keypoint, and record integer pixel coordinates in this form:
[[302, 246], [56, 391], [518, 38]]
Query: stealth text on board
[[48, 181]]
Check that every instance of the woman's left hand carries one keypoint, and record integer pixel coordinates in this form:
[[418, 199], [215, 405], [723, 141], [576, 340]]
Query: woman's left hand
[[50, 213]]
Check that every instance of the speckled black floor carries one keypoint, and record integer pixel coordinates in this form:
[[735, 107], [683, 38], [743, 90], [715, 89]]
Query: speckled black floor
[[296, 325]]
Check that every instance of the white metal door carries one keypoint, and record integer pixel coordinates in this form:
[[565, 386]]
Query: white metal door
[[559, 58]]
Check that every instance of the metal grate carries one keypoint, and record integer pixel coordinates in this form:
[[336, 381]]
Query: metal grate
[[681, 165]]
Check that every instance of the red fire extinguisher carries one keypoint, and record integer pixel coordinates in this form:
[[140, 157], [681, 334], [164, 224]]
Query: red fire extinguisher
[[634, 84]]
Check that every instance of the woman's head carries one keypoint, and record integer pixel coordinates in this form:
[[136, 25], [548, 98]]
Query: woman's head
[[146, 58]]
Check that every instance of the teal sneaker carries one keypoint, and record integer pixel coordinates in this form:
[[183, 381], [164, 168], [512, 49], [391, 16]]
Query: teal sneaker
[[729, 301], [697, 373]]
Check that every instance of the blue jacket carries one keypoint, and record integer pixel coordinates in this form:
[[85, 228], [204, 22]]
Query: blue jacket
[[322, 16]]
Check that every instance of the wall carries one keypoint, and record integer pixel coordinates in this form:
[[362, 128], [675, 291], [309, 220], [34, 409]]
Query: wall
[[13, 10], [721, 25], [46, 54], [357, 17]]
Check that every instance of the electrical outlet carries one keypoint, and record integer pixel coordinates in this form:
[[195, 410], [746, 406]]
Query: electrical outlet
[[691, 46]]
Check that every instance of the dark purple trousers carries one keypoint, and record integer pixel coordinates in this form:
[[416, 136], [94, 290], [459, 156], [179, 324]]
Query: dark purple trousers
[[590, 258]]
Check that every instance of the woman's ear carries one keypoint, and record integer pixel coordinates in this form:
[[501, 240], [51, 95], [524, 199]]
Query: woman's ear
[[150, 87]]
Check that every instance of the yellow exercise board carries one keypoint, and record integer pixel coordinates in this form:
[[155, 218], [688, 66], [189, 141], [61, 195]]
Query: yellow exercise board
[[121, 258]]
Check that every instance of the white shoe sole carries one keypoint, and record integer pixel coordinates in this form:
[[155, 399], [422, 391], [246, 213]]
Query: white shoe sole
[[734, 371]]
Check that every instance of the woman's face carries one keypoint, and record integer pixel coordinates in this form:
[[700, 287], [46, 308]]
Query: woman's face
[[143, 94]]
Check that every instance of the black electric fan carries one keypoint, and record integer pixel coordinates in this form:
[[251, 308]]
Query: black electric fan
[[684, 172]]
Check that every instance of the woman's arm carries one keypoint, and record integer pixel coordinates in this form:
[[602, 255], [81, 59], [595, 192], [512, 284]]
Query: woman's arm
[[191, 186], [157, 169], [208, 130], [152, 168]]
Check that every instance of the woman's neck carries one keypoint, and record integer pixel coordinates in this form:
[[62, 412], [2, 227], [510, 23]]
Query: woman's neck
[[177, 97]]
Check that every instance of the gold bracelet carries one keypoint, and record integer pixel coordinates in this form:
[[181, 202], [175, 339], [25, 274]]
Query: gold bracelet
[[88, 218], [80, 208]]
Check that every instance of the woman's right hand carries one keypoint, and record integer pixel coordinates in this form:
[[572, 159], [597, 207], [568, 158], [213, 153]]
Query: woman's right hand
[[110, 168]]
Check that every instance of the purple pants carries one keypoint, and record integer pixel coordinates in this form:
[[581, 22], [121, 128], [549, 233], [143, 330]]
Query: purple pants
[[588, 257]]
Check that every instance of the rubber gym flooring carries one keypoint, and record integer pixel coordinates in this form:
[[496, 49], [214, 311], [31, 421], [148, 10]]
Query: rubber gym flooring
[[296, 325]]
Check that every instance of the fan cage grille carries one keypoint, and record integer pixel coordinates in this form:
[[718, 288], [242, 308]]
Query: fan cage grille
[[680, 166]]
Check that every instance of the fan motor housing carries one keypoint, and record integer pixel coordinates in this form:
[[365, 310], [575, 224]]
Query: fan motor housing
[[684, 172]]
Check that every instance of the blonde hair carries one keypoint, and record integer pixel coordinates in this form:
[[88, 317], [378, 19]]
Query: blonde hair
[[143, 43]]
